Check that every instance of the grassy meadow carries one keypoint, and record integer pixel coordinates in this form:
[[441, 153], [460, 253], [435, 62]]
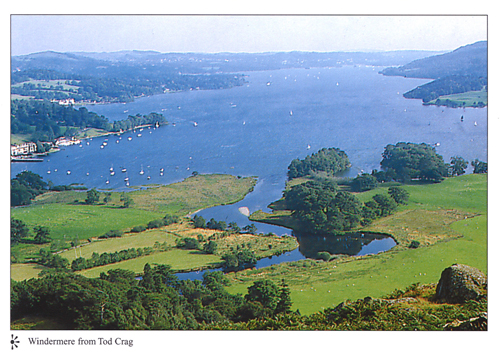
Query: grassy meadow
[[469, 99], [144, 239], [450, 221], [67, 217], [67, 221], [178, 259]]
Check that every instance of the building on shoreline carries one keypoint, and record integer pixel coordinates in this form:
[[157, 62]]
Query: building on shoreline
[[64, 142], [65, 102], [23, 149]]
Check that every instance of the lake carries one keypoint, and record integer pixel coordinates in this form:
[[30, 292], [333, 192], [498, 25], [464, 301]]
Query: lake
[[259, 128]]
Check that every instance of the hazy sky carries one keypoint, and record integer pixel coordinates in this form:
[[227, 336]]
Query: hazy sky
[[220, 33]]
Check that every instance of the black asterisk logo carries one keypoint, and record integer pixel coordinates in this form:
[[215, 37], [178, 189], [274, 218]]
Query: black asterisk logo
[[14, 341]]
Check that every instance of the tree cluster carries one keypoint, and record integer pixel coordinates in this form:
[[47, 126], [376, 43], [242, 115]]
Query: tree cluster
[[159, 300], [46, 121], [329, 160], [50, 260], [117, 83], [232, 227], [480, 167], [105, 258], [364, 182], [18, 231], [239, 260], [25, 187], [138, 120], [320, 208], [408, 161]]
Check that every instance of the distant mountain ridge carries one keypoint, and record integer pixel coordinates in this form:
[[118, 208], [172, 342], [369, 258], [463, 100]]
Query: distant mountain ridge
[[468, 60], [460, 71], [87, 62]]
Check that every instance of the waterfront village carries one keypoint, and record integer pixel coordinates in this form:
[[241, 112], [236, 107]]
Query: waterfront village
[[26, 151]]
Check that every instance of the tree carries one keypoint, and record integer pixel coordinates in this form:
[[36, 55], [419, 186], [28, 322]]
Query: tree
[[127, 200], [42, 235], [386, 204], [246, 259], [265, 292], [31, 180], [18, 231], [214, 280], [241, 260], [189, 243], [252, 229], [199, 222], [230, 261], [233, 227], [25, 187], [364, 182], [325, 256], [480, 167], [414, 244], [92, 197], [414, 161], [329, 160], [400, 195], [319, 208], [284, 304], [216, 225], [108, 197], [458, 166], [19, 195], [210, 247]]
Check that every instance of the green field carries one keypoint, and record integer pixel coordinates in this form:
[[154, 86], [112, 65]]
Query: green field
[[66, 221], [261, 245], [52, 83], [316, 285], [20, 272], [140, 240], [449, 219], [467, 99], [68, 218], [178, 259]]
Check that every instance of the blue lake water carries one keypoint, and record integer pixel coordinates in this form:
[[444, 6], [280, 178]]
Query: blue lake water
[[258, 128]]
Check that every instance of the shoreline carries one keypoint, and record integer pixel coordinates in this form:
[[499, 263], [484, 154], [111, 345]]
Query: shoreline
[[97, 134]]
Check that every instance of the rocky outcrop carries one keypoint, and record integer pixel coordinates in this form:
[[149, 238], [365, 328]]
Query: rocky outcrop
[[460, 283]]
